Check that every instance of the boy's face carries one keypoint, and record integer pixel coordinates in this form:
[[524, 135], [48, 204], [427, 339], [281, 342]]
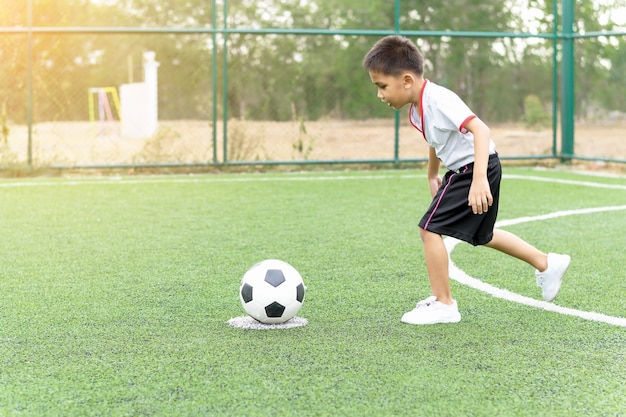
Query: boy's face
[[394, 90]]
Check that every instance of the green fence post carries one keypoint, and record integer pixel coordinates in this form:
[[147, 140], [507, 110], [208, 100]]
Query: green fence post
[[396, 140], [29, 81], [567, 82], [555, 75], [214, 79], [225, 82]]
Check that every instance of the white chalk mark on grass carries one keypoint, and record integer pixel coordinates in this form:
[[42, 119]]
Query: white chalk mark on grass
[[248, 178], [463, 278], [568, 182]]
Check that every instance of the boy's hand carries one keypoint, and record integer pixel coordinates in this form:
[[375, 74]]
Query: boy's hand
[[434, 184], [480, 198]]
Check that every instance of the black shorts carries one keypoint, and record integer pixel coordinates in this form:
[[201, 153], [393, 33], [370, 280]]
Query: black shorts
[[449, 213]]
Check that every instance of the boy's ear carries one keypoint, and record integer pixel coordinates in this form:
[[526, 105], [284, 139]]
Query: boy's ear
[[408, 80]]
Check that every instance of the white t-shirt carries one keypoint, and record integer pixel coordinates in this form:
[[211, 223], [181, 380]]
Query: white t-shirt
[[442, 120]]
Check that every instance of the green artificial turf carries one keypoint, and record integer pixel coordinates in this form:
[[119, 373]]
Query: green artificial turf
[[115, 296]]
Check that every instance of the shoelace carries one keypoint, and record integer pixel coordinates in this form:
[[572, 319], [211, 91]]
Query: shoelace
[[539, 278], [426, 302]]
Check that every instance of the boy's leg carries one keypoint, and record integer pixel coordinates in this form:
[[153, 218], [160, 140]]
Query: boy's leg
[[437, 265], [439, 307], [549, 268], [515, 246]]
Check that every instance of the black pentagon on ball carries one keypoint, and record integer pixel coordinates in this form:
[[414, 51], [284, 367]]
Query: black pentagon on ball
[[274, 310], [246, 293], [274, 277], [300, 292]]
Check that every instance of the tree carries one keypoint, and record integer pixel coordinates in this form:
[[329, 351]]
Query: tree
[[276, 75], [597, 59]]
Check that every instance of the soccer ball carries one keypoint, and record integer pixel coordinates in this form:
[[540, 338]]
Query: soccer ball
[[272, 291]]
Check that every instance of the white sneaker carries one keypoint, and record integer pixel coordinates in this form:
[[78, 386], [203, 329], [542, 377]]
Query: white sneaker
[[431, 311], [550, 279]]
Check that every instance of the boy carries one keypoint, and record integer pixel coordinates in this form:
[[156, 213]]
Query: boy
[[465, 202]]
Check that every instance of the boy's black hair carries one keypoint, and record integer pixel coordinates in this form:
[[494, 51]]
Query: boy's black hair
[[392, 55]]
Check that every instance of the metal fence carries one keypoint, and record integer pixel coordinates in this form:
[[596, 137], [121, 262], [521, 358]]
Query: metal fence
[[91, 93]]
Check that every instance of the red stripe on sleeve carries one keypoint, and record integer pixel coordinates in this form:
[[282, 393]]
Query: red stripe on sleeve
[[462, 127]]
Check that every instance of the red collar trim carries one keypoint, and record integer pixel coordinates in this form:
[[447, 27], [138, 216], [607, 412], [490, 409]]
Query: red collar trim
[[421, 110]]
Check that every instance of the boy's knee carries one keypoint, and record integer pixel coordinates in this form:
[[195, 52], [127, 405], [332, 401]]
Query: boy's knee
[[425, 234]]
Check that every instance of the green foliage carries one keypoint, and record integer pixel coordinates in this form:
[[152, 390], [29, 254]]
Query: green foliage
[[116, 293], [320, 73], [535, 117], [4, 126], [243, 146], [156, 147], [8, 159], [302, 145]]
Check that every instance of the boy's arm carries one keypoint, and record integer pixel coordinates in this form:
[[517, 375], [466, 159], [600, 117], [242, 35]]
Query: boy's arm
[[480, 197], [434, 180]]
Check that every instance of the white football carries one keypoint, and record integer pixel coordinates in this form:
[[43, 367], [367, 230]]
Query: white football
[[272, 291]]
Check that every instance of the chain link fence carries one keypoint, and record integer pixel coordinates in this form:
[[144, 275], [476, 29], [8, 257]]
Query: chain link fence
[[600, 102], [243, 83]]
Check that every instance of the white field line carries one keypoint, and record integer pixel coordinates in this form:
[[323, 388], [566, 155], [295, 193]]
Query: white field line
[[192, 179], [569, 182], [463, 278]]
